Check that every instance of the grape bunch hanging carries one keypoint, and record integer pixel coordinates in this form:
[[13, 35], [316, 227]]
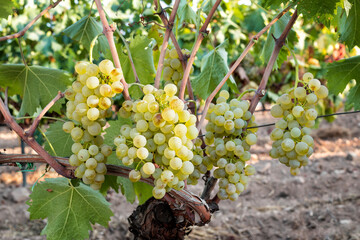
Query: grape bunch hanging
[[90, 99], [159, 142], [293, 144]]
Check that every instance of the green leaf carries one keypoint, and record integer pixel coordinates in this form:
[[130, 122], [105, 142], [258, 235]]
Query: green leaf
[[155, 32], [60, 140], [269, 45], [141, 53], [340, 73], [143, 191], [354, 97], [70, 210], [273, 3], [84, 31], [207, 5], [36, 85], [6, 8], [186, 13], [114, 129], [318, 10], [213, 69], [110, 182], [127, 189], [349, 26]]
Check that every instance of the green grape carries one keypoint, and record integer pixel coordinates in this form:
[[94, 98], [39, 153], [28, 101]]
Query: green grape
[[322, 92], [300, 93], [149, 168], [276, 111], [134, 175], [92, 82], [288, 144], [314, 84], [68, 126]]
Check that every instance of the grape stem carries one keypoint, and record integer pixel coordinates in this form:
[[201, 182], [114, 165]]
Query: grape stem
[[169, 28], [92, 45], [23, 31], [296, 68], [202, 33], [238, 61], [109, 34], [183, 59], [279, 43], [29, 138]]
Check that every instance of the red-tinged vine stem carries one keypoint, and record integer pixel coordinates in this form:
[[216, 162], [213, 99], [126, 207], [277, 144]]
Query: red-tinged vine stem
[[109, 34], [173, 197], [202, 33], [23, 31], [238, 61], [36, 122], [182, 57], [279, 43], [30, 140], [168, 31]]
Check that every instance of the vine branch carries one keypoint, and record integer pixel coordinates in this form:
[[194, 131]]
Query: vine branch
[[238, 61], [36, 122], [23, 31], [169, 27], [109, 34], [202, 33], [182, 57], [279, 43], [173, 197], [29, 139]]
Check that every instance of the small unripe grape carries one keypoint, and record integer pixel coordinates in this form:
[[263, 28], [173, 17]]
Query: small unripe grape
[[307, 77]]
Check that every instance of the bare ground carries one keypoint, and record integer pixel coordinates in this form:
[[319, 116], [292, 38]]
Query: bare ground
[[323, 202]]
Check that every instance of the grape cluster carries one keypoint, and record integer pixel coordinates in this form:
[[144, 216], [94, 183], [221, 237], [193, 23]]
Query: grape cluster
[[173, 70], [293, 144], [228, 146], [90, 98], [159, 142]]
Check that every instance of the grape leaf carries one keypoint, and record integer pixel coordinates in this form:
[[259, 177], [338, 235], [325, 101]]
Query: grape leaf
[[339, 73], [273, 3], [207, 5], [143, 191], [36, 85], [354, 97], [114, 129], [213, 69], [186, 13], [156, 33], [110, 182], [269, 45], [127, 189], [84, 31], [349, 27], [6, 8], [60, 140], [141, 53], [70, 210], [318, 10]]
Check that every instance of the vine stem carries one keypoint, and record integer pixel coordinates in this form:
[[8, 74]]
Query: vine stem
[[30, 140], [183, 59], [279, 43], [238, 61], [23, 31], [174, 196], [169, 28], [36, 122], [202, 33], [109, 34]]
